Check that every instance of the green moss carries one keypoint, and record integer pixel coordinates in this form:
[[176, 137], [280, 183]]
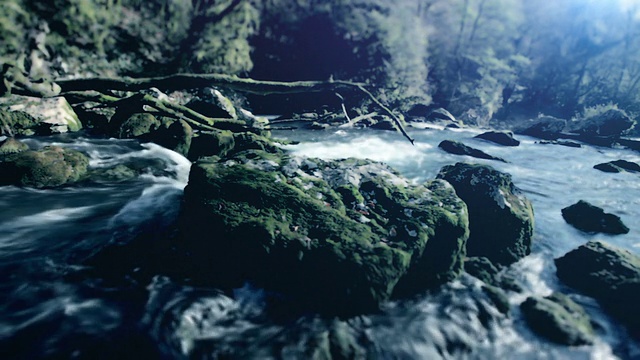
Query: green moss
[[17, 122], [52, 166], [270, 218]]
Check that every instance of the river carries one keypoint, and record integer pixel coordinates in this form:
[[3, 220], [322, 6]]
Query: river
[[53, 307]]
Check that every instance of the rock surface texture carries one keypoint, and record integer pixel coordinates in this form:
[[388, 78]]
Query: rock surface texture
[[589, 218], [500, 137], [500, 217], [458, 148], [338, 236], [559, 319], [608, 274], [52, 166]]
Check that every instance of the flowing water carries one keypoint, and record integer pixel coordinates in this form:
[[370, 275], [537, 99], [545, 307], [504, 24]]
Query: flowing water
[[53, 308]]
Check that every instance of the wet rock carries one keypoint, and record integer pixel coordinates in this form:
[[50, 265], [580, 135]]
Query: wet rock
[[546, 127], [135, 125], [500, 217], [561, 142], [117, 173], [51, 115], [212, 103], [458, 148], [481, 268], [559, 319], [338, 236], [12, 146], [173, 135], [610, 275], [612, 122], [498, 298], [16, 123], [52, 166], [617, 166], [592, 219], [500, 137], [226, 143]]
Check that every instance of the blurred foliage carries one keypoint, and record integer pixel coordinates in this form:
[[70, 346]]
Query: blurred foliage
[[480, 59]]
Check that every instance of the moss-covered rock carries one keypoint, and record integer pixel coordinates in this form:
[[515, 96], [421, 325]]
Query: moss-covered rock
[[52, 166], [458, 148], [12, 146], [337, 235], [225, 143], [46, 116], [610, 275], [16, 123], [590, 218], [559, 319], [501, 218], [135, 125]]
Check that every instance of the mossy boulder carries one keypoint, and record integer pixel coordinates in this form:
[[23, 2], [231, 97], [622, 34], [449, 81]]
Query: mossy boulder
[[499, 137], [52, 166], [167, 132], [592, 219], [559, 319], [458, 148], [41, 116], [610, 275], [617, 166], [12, 146], [500, 216], [337, 236], [16, 123]]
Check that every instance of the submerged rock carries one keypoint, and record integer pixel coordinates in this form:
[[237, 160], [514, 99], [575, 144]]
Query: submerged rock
[[52, 166], [617, 166], [589, 218], [500, 217], [560, 142], [339, 236], [458, 148], [608, 274], [559, 319], [500, 137]]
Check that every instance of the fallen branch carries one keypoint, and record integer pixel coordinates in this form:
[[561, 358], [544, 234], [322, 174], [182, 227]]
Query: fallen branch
[[190, 81]]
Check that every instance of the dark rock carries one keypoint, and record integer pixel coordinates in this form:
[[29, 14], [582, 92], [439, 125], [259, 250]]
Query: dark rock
[[12, 146], [498, 298], [546, 127], [52, 166], [608, 274], [339, 236], [135, 125], [225, 143], [559, 319], [212, 103], [481, 268], [318, 126], [589, 218], [173, 135], [612, 122], [458, 148], [499, 137], [561, 142], [618, 166], [500, 217]]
